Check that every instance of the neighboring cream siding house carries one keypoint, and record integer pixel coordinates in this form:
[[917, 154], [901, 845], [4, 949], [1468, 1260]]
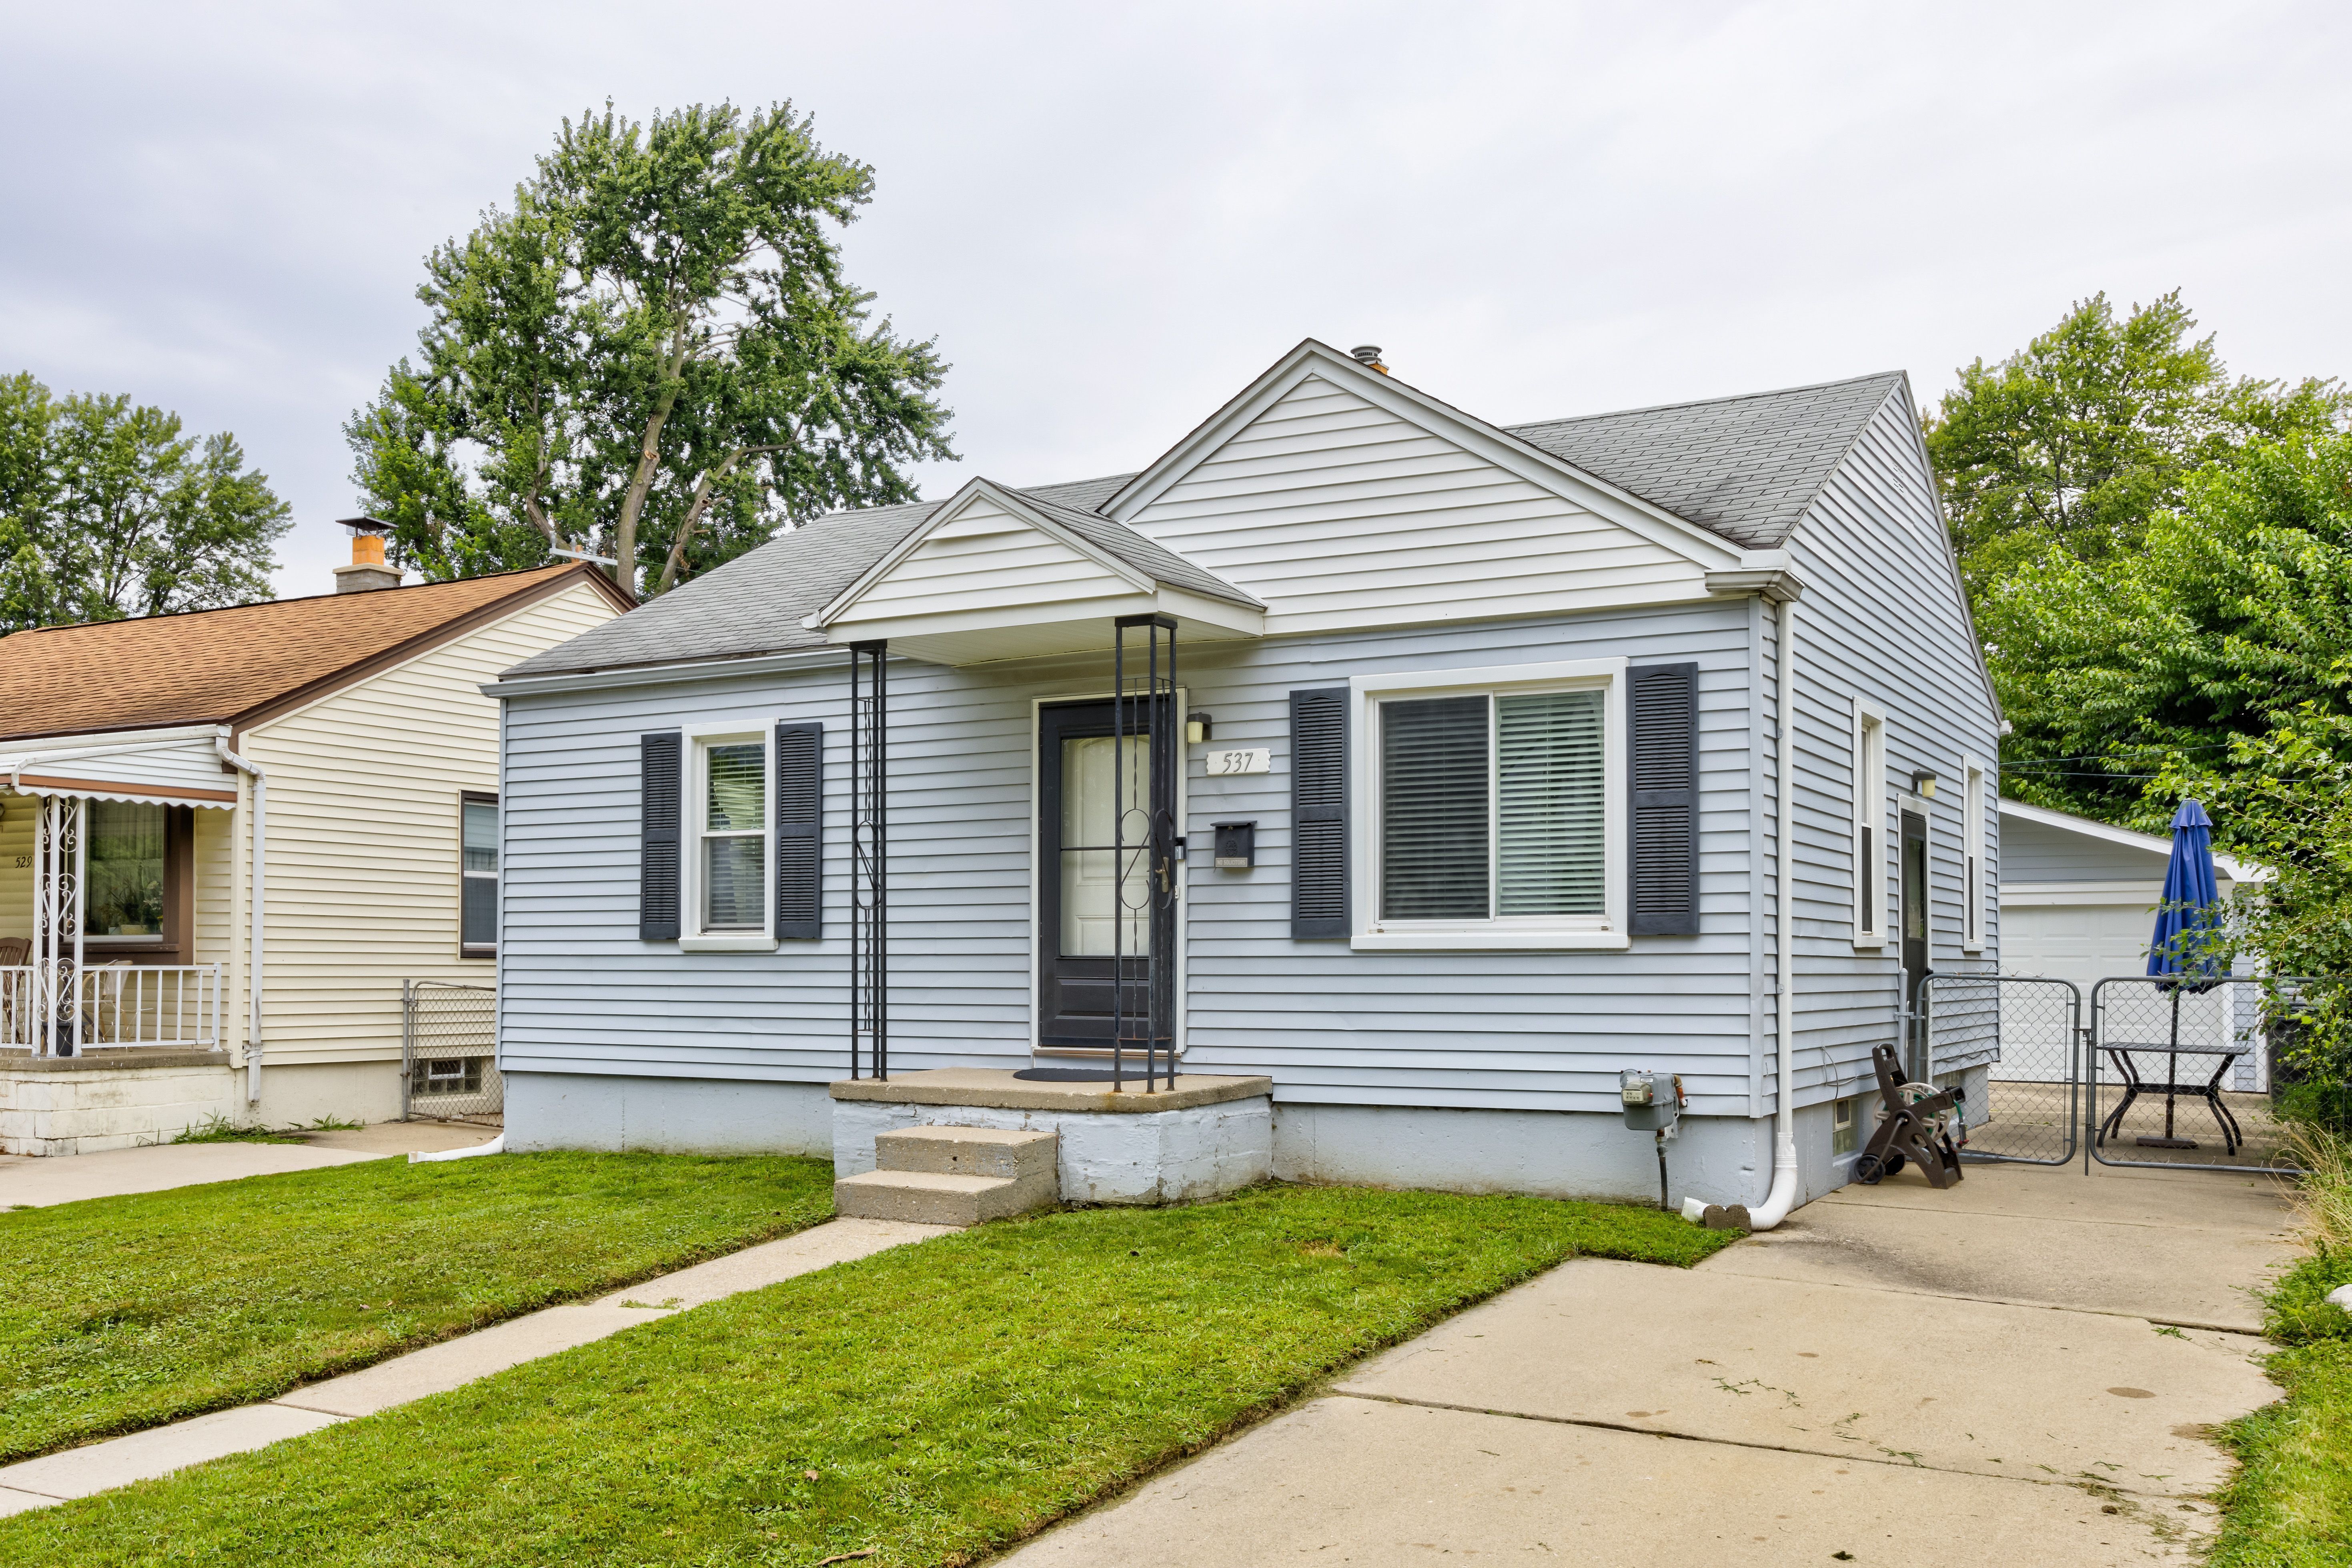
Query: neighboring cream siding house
[[364, 711]]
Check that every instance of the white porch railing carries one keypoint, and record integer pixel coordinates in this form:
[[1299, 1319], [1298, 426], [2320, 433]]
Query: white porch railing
[[121, 1006]]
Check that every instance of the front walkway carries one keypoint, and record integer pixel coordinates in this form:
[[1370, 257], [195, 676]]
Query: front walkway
[[28, 1183], [2017, 1371]]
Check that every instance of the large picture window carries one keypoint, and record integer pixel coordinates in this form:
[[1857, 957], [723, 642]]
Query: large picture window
[[123, 872], [478, 875], [1493, 814], [731, 862]]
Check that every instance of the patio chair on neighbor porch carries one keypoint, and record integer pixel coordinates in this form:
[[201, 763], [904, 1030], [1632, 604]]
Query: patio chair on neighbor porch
[[15, 953]]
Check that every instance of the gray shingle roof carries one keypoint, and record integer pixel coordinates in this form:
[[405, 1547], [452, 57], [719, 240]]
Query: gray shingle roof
[[1746, 468]]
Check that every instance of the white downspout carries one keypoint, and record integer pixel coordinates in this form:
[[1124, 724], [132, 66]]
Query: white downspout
[[1783, 1195], [260, 777]]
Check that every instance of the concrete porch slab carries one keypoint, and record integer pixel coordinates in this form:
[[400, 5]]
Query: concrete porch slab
[[996, 1087], [1358, 1481], [1855, 1374]]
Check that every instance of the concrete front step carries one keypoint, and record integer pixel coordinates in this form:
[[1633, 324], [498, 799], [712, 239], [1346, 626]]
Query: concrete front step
[[1009, 1154], [931, 1198]]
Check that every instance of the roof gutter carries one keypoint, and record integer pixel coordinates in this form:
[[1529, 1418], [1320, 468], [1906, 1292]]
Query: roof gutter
[[662, 674], [260, 777]]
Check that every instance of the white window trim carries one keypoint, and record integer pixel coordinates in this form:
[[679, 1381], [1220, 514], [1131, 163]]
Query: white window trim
[[1567, 934], [1870, 810], [699, 738], [1972, 855], [497, 878]]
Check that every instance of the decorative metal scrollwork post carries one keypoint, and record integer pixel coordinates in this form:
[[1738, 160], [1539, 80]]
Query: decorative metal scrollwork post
[[59, 856], [1148, 870], [869, 858]]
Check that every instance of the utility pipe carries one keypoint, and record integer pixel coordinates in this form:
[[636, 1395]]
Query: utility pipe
[[497, 1145], [1783, 1195], [260, 777]]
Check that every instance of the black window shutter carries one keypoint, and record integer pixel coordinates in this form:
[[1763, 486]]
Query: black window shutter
[[660, 759], [800, 841], [1664, 701], [1318, 812]]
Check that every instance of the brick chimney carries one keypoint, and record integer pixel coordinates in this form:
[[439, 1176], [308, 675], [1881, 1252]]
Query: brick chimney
[[368, 568]]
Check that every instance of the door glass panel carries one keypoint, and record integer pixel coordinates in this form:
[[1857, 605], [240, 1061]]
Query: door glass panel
[[1915, 888], [1091, 903]]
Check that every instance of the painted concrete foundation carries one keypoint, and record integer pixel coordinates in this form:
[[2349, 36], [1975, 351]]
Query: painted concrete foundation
[[1192, 1151], [667, 1115], [112, 1100], [297, 1094]]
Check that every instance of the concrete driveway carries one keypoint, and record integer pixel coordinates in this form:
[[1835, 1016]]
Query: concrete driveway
[[35, 1184], [2021, 1370]]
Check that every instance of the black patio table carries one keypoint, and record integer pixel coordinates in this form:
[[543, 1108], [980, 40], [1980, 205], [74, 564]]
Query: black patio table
[[2210, 1091]]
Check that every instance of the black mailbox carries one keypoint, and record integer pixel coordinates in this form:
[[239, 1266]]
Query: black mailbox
[[1236, 845]]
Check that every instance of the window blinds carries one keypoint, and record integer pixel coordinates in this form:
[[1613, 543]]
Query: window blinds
[[1435, 801], [1551, 855]]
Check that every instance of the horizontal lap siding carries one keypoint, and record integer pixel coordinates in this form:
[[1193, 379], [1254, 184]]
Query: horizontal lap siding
[[985, 560], [1881, 618], [1337, 515], [363, 875], [1522, 1030]]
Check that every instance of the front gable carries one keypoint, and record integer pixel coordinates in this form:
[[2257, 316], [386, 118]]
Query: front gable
[[1342, 499], [994, 575]]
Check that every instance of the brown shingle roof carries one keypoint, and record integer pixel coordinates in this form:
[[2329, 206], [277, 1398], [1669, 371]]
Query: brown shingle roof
[[227, 666]]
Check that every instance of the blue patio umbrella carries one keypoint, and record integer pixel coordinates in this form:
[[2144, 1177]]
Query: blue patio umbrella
[[2181, 954], [2188, 920]]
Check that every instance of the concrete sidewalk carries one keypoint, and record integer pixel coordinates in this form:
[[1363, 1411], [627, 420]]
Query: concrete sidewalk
[[1897, 1375], [142, 1455], [62, 1179]]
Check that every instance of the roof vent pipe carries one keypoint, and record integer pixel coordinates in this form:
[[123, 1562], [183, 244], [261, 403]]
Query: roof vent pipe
[[1369, 355]]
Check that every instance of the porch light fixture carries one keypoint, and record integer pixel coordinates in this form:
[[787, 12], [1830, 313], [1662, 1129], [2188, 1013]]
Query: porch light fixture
[[1196, 729], [1923, 784]]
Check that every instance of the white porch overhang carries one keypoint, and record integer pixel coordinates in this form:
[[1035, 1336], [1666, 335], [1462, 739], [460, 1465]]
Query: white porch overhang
[[995, 575], [156, 767]]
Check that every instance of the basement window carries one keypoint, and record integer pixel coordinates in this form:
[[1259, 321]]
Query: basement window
[[1841, 1127]]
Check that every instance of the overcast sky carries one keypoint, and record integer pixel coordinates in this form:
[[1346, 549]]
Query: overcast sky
[[1111, 217]]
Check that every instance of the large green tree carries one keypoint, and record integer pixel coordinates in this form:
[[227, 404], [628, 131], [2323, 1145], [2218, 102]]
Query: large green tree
[[109, 510], [654, 354], [2068, 447], [2232, 615]]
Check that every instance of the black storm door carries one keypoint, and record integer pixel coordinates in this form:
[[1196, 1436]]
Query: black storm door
[[1094, 915]]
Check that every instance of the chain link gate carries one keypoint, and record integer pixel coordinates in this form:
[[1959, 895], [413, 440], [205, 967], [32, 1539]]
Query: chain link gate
[[2180, 1074], [2026, 1032], [448, 1052]]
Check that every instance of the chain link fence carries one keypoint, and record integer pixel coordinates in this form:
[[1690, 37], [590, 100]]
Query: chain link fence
[[2182, 1074], [448, 1052], [2024, 1032]]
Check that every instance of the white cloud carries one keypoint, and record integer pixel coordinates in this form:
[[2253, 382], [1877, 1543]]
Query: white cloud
[[1112, 216]]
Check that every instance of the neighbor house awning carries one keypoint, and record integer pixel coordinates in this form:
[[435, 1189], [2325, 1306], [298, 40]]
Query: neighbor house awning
[[157, 767], [996, 575]]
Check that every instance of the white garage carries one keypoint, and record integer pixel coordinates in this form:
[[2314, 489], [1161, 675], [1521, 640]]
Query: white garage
[[2078, 900]]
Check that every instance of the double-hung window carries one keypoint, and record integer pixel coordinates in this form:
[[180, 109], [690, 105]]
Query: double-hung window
[[1972, 848], [478, 876], [1495, 813], [731, 849]]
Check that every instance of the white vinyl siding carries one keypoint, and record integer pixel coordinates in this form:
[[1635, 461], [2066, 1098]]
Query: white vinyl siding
[[365, 866], [1338, 513], [985, 560]]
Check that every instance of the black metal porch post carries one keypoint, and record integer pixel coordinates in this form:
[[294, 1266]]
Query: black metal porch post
[[869, 858]]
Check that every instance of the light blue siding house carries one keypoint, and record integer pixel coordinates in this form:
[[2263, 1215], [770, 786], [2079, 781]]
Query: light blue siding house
[[1433, 770]]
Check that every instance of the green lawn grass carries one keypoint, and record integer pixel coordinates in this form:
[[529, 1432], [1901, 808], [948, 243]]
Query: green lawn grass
[[123, 1313], [2290, 1505], [932, 1403]]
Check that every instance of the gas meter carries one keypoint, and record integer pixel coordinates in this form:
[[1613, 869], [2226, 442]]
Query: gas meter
[[1654, 1104]]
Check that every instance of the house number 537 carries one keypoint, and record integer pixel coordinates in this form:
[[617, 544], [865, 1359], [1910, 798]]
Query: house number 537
[[1250, 759]]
